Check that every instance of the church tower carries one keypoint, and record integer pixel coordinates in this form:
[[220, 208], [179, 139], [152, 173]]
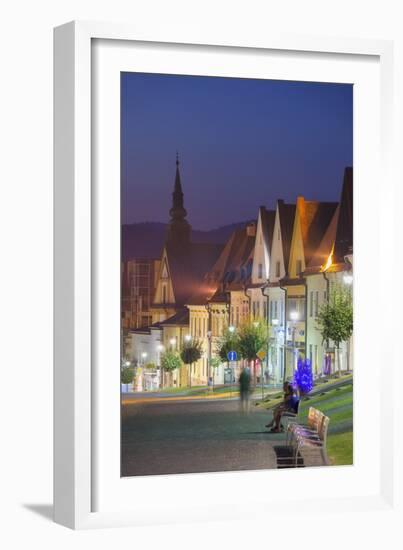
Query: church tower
[[178, 229]]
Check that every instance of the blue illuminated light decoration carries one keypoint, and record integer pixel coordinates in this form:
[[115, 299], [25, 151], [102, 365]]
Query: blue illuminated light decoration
[[303, 377]]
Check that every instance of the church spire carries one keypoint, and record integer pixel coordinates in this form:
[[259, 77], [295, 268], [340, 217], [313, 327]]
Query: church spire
[[178, 229]]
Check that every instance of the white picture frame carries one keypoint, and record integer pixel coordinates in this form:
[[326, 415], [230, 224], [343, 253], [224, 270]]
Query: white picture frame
[[85, 494]]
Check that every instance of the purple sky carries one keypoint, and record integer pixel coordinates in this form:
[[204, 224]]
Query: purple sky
[[242, 143]]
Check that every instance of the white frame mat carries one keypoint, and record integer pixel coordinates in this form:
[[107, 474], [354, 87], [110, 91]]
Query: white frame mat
[[88, 490]]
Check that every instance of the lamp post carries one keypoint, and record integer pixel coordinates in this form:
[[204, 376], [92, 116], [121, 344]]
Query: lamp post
[[294, 318], [143, 360], [210, 373], [160, 349], [231, 329], [188, 339]]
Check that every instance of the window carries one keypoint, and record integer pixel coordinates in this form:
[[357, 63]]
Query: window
[[260, 271], [275, 310], [316, 303], [164, 294], [311, 303], [237, 316], [277, 269], [258, 309], [299, 267]]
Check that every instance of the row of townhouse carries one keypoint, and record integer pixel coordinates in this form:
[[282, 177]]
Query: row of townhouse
[[280, 268]]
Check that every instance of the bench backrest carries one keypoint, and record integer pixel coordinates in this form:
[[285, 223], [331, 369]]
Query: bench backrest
[[314, 418], [322, 431]]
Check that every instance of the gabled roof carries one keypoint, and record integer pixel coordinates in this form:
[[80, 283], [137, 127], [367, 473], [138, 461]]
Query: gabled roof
[[344, 236], [181, 318], [268, 217], [188, 265], [231, 270], [325, 248], [287, 215], [337, 240], [315, 218]]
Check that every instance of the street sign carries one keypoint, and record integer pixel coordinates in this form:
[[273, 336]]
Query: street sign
[[231, 356], [261, 354]]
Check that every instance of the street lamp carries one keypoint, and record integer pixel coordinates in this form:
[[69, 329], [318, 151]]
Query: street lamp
[[172, 342], [348, 279], [274, 322], [188, 337], [127, 363], [231, 329]]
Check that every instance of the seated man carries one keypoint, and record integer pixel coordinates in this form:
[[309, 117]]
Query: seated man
[[289, 403]]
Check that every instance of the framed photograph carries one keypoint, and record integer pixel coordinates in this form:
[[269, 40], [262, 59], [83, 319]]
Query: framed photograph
[[219, 227]]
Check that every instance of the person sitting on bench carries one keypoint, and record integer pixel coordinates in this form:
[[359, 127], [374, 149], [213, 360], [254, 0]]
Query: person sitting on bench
[[289, 403]]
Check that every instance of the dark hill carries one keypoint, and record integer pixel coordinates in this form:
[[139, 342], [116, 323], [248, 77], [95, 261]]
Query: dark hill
[[145, 240]]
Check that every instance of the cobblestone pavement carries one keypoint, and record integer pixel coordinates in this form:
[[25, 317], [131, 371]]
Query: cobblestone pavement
[[171, 437]]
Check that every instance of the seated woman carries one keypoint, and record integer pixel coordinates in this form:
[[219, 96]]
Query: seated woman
[[289, 403]]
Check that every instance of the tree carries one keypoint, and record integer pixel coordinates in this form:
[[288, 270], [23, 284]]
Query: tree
[[170, 361], [226, 343], [150, 366], [335, 318], [253, 336], [191, 353], [126, 375]]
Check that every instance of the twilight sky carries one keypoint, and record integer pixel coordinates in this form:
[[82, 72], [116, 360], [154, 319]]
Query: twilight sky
[[242, 143]]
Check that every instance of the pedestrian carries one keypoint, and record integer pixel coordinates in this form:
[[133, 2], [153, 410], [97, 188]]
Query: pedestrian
[[244, 390], [289, 403]]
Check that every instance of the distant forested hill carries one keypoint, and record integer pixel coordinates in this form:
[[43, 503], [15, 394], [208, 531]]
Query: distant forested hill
[[145, 240]]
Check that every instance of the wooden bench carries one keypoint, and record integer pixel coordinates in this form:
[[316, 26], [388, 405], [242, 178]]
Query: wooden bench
[[310, 440]]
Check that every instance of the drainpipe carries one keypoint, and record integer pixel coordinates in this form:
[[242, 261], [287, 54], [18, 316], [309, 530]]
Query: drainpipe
[[327, 298], [285, 329], [306, 315], [327, 285], [245, 291], [267, 321]]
